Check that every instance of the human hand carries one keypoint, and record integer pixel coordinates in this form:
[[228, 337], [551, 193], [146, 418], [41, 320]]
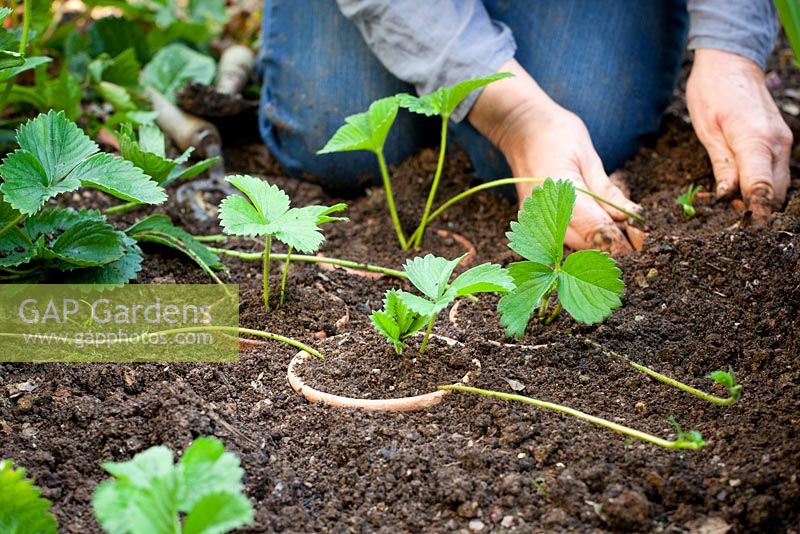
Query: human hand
[[541, 139], [740, 126]]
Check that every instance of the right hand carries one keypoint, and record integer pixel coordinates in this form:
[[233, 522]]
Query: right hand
[[540, 139]]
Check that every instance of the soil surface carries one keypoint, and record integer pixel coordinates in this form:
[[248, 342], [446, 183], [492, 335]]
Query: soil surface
[[706, 293]]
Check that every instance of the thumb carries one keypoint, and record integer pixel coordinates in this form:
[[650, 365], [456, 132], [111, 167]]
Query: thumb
[[599, 183]]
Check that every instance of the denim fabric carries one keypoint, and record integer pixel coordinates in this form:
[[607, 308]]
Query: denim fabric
[[612, 62]]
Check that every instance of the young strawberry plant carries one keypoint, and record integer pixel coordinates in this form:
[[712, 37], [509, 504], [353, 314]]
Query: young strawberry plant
[[13, 51], [266, 213], [396, 321], [683, 440], [148, 152], [588, 282], [22, 509], [686, 199], [431, 276], [54, 157], [203, 492]]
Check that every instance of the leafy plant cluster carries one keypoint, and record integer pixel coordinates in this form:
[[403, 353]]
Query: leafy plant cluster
[[149, 494]]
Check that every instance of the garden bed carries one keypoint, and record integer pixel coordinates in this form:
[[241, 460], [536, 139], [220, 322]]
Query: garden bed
[[703, 295]]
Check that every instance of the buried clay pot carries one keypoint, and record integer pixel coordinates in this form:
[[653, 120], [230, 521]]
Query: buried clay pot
[[465, 243], [316, 394]]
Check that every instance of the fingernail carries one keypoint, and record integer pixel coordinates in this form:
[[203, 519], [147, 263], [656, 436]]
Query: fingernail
[[722, 189], [634, 207]]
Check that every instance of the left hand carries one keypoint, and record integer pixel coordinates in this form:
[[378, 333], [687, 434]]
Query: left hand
[[740, 126]]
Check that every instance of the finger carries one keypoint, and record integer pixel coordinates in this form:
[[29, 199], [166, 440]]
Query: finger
[[592, 227], [598, 182], [723, 164], [781, 160], [755, 162]]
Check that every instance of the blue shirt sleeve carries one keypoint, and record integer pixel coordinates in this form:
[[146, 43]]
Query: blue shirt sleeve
[[744, 27], [435, 43]]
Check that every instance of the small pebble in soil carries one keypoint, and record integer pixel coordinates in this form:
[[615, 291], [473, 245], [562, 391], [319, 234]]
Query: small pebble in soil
[[476, 525]]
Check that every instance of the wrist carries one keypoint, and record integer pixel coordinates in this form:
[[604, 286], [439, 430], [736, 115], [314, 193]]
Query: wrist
[[720, 62], [505, 107]]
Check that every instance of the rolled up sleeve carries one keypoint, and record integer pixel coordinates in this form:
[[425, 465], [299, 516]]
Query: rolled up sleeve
[[744, 27], [435, 43]]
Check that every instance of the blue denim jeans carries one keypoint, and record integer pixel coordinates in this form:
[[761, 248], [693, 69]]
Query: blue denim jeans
[[612, 62]]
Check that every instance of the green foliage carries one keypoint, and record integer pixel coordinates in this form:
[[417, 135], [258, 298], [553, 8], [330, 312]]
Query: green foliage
[[148, 152], [160, 230], [70, 246], [55, 157], [268, 214], [365, 131], [728, 380], [115, 35], [12, 60], [22, 509], [396, 321], [150, 494], [689, 440], [445, 100], [686, 199], [789, 14], [174, 66], [587, 283]]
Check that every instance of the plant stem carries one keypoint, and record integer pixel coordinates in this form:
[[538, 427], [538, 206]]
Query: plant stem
[[215, 238], [543, 304], [267, 247], [12, 224], [23, 46], [663, 378], [387, 185], [427, 335], [507, 181], [554, 314], [257, 256], [667, 444], [420, 231], [285, 273], [122, 208]]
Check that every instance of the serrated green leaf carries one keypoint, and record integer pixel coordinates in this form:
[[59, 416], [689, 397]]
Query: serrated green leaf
[[485, 278], [7, 213], [445, 100], [5, 12], [207, 465], [151, 139], [174, 66], [87, 244], [123, 70], [153, 163], [427, 307], [117, 272], [533, 280], [200, 167], [396, 321], [159, 229], [239, 217], [26, 185], [431, 274], [589, 286], [298, 229], [364, 131], [119, 178], [543, 221], [22, 509], [218, 513], [115, 35], [269, 200], [9, 59], [15, 249], [57, 142], [57, 220]]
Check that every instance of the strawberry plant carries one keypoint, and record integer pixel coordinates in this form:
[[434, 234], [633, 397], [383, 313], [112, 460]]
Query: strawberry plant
[[203, 492], [587, 283], [54, 157], [266, 213], [686, 199], [431, 276], [13, 50], [397, 321], [22, 509]]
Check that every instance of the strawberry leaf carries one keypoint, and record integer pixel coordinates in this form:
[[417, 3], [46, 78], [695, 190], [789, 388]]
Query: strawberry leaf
[[431, 274], [589, 286], [539, 234], [365, 131], [219, 512], [159, 229], [533, 280], [22, 509], [485, 278], [445, 100], [174, 66], [396, 321]]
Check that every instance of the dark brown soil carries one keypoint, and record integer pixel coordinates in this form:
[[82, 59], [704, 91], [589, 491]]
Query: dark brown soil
[[706, 293]]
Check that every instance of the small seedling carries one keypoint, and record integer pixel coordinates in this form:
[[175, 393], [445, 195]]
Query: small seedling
[[149, 493], [727, 379], [691, 440], [267, 214], [686, 199], [587, 283], [22, 509], [397, 321], [431, 276]]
